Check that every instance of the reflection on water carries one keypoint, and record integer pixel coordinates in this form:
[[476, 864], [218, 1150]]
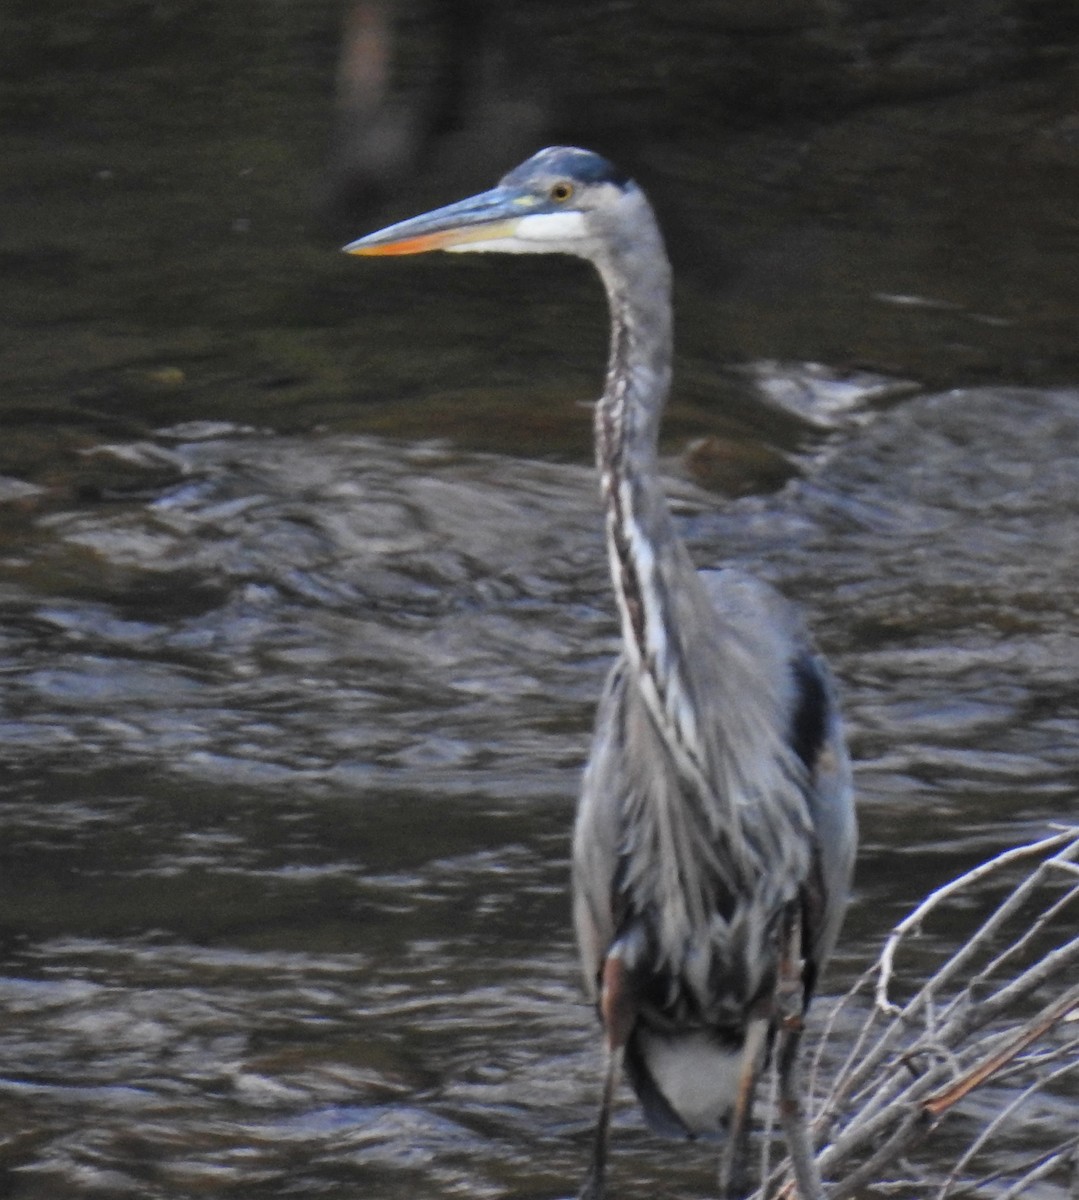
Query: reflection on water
[[291, 751]]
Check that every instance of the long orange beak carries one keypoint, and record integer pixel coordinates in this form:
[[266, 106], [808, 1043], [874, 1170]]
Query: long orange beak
[[489, 216]]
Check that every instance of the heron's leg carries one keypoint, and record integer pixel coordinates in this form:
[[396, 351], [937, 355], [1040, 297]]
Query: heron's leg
[[733, 1161], [594, 1182], [790, 997], [618, 1012]]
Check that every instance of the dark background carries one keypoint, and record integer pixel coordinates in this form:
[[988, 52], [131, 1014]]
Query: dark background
[[303, 595]]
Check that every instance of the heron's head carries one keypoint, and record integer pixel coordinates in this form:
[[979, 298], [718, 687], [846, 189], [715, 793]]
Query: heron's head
[[561, 201]]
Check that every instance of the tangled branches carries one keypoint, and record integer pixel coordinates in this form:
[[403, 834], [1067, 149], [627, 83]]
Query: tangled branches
[[987, 1037]]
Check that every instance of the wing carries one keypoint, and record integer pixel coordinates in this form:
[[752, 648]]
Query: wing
[[805, 691], [645, 850], [818, 735]]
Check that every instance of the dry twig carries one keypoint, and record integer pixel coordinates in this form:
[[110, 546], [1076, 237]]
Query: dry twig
[[987, 1041]]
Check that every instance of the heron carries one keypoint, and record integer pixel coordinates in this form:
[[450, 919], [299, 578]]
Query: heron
[[715, 832]]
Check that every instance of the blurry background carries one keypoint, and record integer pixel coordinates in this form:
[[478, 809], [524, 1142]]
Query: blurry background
[[303, 608]]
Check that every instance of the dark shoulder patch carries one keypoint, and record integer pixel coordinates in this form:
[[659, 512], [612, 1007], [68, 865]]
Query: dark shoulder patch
[[809, 720]]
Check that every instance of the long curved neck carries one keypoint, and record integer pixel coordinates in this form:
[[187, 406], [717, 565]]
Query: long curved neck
[[627, 431], [650, 568], [638, 369]]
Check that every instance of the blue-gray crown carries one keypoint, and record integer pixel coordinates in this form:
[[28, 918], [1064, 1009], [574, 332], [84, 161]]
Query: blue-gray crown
[[569, 162]]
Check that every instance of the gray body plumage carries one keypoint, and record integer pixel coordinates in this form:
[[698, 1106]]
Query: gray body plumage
[[715, 835], [690, 884], [718, 790]]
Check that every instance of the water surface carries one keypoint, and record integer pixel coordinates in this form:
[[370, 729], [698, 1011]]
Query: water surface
[[303, 604], [291, 771]]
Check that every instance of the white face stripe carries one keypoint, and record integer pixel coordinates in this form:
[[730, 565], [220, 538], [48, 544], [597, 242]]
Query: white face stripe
[[505, 245], [551, 227], [531, 234]]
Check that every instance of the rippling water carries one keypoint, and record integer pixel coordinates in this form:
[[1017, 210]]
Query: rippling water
[[292, 743]]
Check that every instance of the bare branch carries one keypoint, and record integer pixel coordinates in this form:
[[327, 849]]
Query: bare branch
[[913, 920], [939, 1104], [1001, 1119], [996, 1015]]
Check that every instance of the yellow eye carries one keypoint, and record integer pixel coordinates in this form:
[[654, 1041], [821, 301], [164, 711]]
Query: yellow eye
[[561, 191]]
